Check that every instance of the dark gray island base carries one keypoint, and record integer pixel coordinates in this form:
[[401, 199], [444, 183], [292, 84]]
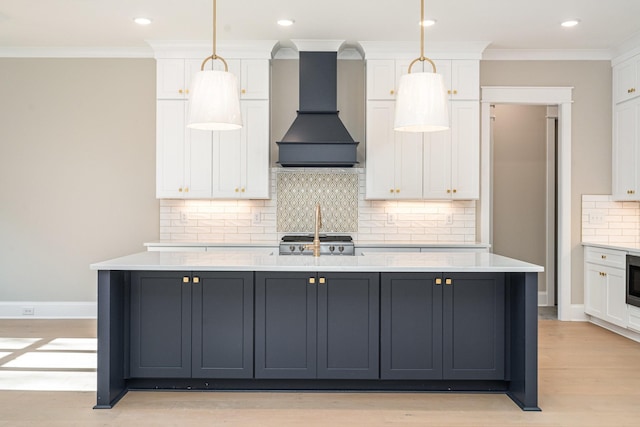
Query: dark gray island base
[[338, 331]]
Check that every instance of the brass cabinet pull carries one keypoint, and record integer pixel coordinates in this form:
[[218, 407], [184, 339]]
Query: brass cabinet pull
[[391, 92], [603, 274], [185, 279], [631, 90], [322, 281], [312, 280], [391, 191], [243, 91], [196, 279], [455, 92], [448, 191], [449, 92], [438, 281], [603, 256], [180, 91], [180, 190], [237, 190], [186, 189], [455, 191], [397, 190], [448, 282], [242, 189]]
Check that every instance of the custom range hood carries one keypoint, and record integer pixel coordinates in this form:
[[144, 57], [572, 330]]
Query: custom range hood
[[317, 137]]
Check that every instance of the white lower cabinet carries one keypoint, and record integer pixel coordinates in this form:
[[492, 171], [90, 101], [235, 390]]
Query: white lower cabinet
[[605, 285]]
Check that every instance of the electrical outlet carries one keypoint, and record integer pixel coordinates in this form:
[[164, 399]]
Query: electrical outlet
[[257, 218], [183, 218], [596, 218], [28, 311], [448, 219], [391, 218]]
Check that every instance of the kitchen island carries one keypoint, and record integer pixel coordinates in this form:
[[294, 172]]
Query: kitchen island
[[440, 322]]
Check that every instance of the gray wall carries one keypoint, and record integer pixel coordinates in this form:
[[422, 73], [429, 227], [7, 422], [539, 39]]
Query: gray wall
[[591, 130], [519, 183], [77, 166]]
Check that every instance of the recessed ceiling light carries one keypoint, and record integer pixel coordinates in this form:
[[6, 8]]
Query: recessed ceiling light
[[429, 22], [570, 23], [285, 22], [142, 21]]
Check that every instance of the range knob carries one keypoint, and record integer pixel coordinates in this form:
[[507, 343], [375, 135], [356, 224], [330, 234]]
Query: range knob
[[301, 247], [332, 248], [292, 248], [341, 249]]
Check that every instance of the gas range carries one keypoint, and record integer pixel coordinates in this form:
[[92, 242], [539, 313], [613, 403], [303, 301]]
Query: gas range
[[329, 245]]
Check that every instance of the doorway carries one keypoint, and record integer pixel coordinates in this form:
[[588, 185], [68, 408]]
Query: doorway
[[523, 146], [562, 97]]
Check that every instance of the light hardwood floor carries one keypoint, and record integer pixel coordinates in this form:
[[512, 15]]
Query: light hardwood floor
[[587, 377]]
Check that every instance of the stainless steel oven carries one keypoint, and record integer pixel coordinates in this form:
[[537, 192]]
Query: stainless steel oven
[[633, 280]]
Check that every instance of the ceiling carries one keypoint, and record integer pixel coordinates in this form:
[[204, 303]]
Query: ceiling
[[504, 24]]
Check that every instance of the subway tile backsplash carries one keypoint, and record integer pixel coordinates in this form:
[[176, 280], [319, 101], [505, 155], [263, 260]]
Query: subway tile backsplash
[[610, 222], [377, 221]]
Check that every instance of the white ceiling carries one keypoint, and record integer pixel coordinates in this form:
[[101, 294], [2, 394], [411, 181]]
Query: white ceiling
[[505, 24]]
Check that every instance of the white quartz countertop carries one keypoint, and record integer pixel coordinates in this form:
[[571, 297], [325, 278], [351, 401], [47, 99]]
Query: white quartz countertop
[[630, 247], [360, 244], [374, 262]]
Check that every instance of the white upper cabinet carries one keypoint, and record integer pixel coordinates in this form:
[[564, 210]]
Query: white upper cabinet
[[203, 164], [254, 79], [173, 77], [626, 80], [461, 77], [240, 169], [626, 151], [394, 159], [452, 157], [183, 156]]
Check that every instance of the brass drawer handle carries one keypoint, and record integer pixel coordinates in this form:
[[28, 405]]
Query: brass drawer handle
[[322, 281], [312, 280], [438, 281], [448, 282], [185, 279], [196, 279]]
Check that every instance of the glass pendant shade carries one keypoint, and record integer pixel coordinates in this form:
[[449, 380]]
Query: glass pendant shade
[[214, 103], [421, 103]]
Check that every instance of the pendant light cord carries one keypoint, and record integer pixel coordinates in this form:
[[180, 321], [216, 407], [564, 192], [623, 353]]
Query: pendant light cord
[[422, 58], [214, 56]]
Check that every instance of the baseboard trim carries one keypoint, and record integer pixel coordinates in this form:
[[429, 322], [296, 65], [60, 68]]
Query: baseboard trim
[[543, 300], [577, 313], [48, 310], [632, 335]]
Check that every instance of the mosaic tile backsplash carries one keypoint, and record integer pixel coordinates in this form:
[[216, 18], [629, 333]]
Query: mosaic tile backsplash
[[256, 221], [298, 193]]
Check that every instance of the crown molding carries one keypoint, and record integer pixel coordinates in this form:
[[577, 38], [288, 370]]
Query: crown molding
[[75, 52], [626, 49], [411, 50], [547, 55], [246, 49]]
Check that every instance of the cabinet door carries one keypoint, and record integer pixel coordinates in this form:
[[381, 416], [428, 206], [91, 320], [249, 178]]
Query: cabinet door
[[437, 165], [474, 326], [625, 151], [241, 157], [465, 80], [198, 164], [410, 326], [285, 325], [594, 290], [170, 82], [222, 325], [348, 325], [380, 168], [381, 79], [408, 165], [626, 78], [615, 297], [254, 80], [465, 150], [170, 134], [160, 325], [255, 137]]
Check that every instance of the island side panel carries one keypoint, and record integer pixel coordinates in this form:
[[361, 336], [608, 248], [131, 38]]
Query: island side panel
[[112, 297], [523, 388]]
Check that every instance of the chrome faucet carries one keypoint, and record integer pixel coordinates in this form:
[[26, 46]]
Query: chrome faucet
[[316, 235]]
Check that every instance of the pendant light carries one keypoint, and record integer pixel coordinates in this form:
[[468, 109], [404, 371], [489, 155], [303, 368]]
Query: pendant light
[[214, 103], [421, 104]]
